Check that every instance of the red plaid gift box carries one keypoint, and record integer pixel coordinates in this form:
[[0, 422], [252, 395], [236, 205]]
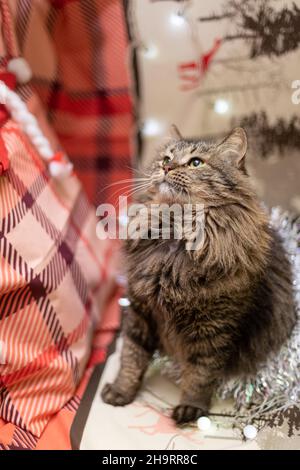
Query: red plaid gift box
[[55, 275], [53, 280]]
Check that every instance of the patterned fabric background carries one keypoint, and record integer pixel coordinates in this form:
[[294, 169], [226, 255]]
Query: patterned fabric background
[[53, 287], [63, 432], [53, 283], [207, 66]]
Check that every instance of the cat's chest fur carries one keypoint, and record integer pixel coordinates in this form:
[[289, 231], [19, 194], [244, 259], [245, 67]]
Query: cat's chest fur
[[165, 285], [190, 307], [161, 274]]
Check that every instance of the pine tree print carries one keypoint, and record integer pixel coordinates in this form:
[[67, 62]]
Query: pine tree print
[[266, 138], [268, 31]]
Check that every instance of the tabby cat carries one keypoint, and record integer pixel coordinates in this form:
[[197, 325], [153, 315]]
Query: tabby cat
[[219, 310]]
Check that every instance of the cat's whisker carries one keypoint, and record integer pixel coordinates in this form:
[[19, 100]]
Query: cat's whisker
[[137, 190], [128, 187], [122, 190], [130, 191], [156, 180], [138, 170], [144, 173], [128, 180]]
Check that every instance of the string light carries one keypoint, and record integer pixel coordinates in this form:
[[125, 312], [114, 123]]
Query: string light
[[221, 106], [203, 423], [152, 127], [150, 52], [250, 432]]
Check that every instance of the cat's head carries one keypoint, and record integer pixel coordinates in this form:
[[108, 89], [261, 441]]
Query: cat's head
[[194, 171]]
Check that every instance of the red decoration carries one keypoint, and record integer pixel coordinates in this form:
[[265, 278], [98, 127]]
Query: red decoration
[[58, 157], [207, 58], [10, 80], [193, 72], [4, 161]]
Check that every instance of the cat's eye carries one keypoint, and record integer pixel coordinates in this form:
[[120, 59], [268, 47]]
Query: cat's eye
[[196, 162], [166, 160]]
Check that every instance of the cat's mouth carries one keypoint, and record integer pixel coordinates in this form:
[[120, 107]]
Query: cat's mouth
[[165, 187], [171, 188]]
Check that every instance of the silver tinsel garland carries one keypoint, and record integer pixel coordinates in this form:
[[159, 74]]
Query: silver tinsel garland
[[276, 386]]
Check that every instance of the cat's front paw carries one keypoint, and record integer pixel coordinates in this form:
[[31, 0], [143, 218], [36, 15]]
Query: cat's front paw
[[113, 396], [183, 414]]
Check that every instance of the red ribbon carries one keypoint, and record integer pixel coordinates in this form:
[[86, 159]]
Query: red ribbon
[[4, 161], [191, 73], [58, 157], [10, 80]]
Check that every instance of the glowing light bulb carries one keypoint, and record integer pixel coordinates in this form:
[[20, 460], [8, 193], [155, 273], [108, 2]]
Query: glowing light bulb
[[124, 302], [177, 19], [152, 127], [204, 423], [250, 431], [221, 106]]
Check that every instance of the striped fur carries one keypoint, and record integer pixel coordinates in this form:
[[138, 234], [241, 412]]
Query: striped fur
[[220, 310]]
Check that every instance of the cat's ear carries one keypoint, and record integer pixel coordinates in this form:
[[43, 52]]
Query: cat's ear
[[233, 148], [174, 133]]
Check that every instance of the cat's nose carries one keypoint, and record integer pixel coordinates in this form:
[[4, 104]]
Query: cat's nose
[[167, 168]]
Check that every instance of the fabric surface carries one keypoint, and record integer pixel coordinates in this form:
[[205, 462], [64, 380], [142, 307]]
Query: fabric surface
[[54, 286], [53, 280], [77, 53]]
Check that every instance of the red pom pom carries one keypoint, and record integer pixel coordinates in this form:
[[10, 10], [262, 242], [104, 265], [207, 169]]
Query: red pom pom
[[58, 157], [4, 161]]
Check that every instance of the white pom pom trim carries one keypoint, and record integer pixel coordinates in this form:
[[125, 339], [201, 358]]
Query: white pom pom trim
[[58, 168], [20, 68]]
